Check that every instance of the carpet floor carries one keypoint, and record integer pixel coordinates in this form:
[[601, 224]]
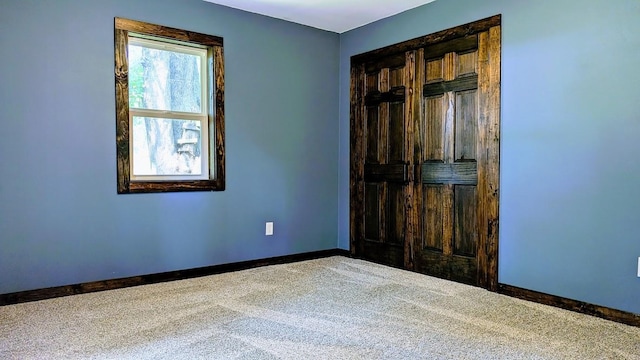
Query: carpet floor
[[332, 308]]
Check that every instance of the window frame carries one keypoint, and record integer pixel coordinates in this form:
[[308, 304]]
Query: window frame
[[215, 98], [201, 116]]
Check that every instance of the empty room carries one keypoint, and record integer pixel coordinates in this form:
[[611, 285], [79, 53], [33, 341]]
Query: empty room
[[279, 179]]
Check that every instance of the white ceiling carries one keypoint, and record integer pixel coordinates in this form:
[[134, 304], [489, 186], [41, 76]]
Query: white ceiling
[[333, 15]]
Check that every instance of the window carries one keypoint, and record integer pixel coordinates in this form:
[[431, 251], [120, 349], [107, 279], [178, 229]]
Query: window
[[169, 109]]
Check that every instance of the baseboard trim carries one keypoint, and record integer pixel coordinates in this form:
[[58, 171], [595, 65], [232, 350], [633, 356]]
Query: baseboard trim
[[111, 284], [572, 305], [94, 286]]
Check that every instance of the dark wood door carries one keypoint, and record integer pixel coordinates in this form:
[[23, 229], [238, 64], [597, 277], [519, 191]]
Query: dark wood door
[[425, 154], [448, 237], [384, 136]]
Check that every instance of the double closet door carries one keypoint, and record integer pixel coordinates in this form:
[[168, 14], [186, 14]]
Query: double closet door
[[425, 154]]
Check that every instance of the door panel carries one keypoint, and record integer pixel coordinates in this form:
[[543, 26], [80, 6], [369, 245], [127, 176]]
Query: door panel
[[372, 212], [373, 135], [467, 63], [425, 153], [466, 234], [432, 232], [395, 214], [396, 133], [466, 125], [434, 125]]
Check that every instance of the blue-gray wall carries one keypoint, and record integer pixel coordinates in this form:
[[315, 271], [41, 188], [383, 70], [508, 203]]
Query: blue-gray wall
[[570, 203], [61, 221], [570, 173]]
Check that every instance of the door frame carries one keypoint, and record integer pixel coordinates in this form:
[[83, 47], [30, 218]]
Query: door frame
[[489, 34]]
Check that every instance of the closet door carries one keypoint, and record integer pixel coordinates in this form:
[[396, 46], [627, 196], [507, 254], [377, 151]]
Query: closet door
[[453, 161], [425, 139], [383, 141]]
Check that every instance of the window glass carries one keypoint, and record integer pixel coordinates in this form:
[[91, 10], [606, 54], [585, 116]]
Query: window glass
[[163, 79], [177, 144]]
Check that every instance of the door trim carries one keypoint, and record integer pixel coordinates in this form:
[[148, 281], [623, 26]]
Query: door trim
[[488, 177]]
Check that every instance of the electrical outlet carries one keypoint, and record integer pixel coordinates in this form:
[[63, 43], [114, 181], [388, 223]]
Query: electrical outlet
[[268, 229]]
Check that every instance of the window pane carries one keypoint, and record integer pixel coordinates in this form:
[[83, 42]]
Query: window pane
[[166, 147], [164, 80]]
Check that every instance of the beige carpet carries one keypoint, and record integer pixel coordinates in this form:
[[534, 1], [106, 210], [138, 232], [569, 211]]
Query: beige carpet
[[333, 308]]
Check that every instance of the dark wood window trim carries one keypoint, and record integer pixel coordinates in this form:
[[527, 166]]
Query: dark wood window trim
[[214, 44]]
